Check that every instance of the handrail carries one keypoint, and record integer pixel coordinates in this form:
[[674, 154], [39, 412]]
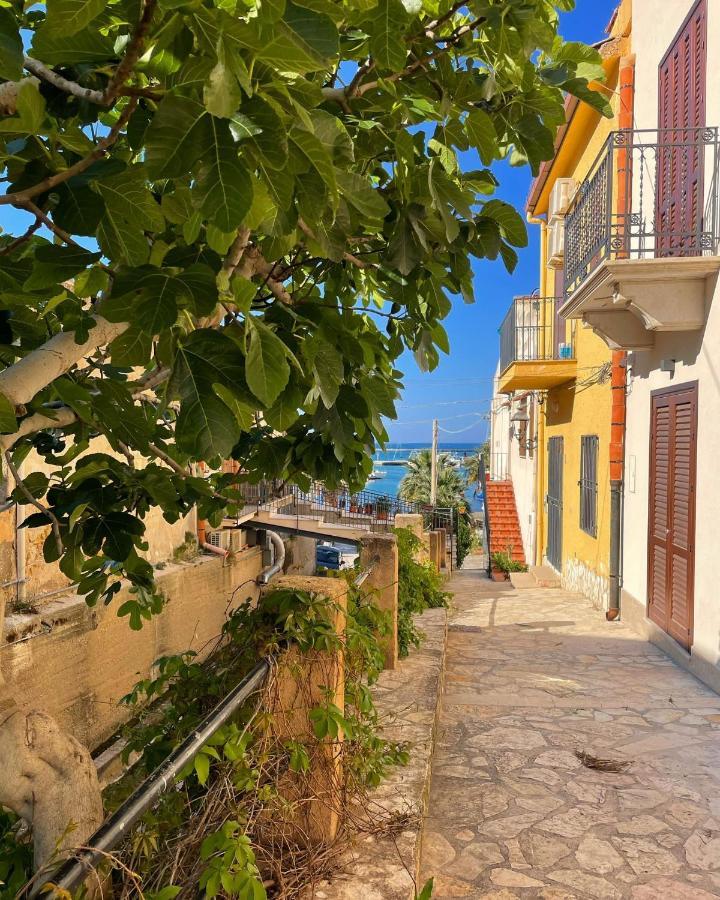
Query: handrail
[[71, 873], [486, 514], [75, 870]]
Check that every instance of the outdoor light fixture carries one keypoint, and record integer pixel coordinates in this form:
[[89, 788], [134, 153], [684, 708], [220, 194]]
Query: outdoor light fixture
[[516, 420]]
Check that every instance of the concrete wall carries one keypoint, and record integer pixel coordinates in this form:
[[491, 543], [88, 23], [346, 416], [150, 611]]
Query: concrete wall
[[76, 663], [521, 469], [300, 556], [696, 358], [163, 538]]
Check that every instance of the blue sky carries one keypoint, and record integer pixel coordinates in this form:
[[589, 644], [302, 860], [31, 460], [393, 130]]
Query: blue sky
[[461, 386]]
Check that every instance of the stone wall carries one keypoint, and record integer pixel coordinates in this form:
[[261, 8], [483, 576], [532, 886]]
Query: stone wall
[[76, 663], [580, 577]]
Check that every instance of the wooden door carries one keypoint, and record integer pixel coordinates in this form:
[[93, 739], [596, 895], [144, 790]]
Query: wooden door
[[671, 515], [680, 158], [554, 502]]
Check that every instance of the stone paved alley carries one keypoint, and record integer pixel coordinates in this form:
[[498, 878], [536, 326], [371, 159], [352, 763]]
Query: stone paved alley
[[532, 677]]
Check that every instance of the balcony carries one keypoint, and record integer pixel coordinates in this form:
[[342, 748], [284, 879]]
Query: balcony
[[642, 235], [536, 346]]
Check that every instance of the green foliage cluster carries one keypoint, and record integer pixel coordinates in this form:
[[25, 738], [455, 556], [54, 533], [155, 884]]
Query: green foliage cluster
[[235, 216], [419, 588], [242, 758], [16, 855], [466, 538], [415, 486], [502, 559]]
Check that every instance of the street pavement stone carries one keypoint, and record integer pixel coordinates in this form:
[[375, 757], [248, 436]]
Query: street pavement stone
[[534, 677]]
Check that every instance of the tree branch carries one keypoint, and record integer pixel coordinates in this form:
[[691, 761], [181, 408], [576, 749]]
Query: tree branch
[[20, 382], [36, 503], [169, 461], [342, 95], [20, 197], [70, 87], [132, 54], [38, 422], [24, 238]]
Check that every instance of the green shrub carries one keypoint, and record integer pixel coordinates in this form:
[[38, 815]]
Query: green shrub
[[419, 588], [503, 560]]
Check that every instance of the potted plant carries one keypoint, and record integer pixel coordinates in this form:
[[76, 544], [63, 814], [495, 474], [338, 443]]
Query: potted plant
[[502, 564], [382, 508]]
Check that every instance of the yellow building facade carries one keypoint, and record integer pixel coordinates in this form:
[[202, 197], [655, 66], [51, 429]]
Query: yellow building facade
[[564, 364]]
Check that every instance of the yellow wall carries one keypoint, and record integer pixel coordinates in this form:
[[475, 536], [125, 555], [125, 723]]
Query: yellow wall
[[577, 408]]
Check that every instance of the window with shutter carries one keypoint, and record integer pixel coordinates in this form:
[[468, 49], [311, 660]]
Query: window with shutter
[[681, 113], [589, 445]]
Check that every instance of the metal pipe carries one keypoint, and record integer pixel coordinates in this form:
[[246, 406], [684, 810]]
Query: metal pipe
[[278, 546], [615, 541], [74, 871]]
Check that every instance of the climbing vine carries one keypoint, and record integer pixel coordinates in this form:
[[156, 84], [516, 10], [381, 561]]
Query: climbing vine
[[419, 588], [227, 828]]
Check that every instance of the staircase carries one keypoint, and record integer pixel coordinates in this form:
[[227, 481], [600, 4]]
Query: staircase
[[504, 523]]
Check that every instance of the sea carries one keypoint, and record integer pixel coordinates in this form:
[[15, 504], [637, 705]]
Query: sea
[[400, 453]]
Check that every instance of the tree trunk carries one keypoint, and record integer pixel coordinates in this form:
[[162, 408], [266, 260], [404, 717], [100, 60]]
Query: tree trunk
[[49, 779]]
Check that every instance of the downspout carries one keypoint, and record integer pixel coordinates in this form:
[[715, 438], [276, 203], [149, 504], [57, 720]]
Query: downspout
[[538, 499], [619, 357], [202, 530], [278, 548]]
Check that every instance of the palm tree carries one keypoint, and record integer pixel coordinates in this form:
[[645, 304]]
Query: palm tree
[[472, 463], [415, 486]]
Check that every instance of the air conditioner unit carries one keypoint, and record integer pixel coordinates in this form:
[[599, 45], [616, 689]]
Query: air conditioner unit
[[556, 242], [231, 539], [560, 197]]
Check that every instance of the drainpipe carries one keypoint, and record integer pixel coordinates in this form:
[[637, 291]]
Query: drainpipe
[[619, 357], [202, 529], [278, 548], [204, 545]]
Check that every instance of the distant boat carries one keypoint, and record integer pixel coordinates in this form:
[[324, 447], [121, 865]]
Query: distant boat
[[375, 475]]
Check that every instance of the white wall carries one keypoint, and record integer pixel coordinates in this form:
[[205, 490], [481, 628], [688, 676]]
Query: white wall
[[505, 459], [697, 358]]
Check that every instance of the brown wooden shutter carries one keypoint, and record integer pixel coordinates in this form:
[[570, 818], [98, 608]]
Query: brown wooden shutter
[[671, 551], [681, 110]]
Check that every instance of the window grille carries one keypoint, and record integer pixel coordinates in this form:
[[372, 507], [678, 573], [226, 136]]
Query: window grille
[[589, 444]]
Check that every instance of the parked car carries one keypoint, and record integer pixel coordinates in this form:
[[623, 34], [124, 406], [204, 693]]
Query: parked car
[[328, 557]]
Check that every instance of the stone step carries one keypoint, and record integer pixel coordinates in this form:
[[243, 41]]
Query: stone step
[[522, 580], [545, 576]]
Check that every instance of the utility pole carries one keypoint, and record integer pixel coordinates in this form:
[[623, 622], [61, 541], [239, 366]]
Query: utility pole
[[433, 464]]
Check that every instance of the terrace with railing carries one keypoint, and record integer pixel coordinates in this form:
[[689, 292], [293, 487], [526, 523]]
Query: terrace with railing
[[642, 234], [536, 346]]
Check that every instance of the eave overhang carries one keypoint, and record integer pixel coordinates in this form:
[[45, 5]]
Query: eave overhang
[[626, 301]]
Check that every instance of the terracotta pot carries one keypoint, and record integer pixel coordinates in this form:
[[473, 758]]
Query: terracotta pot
[[499, 575]]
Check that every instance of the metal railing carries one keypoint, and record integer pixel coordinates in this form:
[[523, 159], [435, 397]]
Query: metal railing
[[532, 331], [486, 515], [72, 872], [499, 466], [363, 510], [649, 193]]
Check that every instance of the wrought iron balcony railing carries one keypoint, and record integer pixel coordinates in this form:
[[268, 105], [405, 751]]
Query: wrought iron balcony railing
[[649, 194], [531, 331]]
